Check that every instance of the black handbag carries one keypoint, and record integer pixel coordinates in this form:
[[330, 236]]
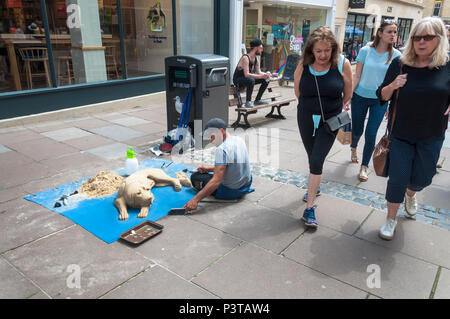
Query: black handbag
[[336, 122]]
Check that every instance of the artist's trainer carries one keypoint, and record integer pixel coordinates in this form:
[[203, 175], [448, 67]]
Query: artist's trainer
[[231, 177]]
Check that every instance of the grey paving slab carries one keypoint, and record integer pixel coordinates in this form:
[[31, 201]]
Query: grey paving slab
[[420, 240], [150, 139], [351, 259], [4, 149], [443, 286], [14, 159], [39, 296], [151, 115], [89, 141], [90, 123], [186, 246], [150, 128], [109, 116], [342, 173], [22, 222], [340, 214], [16, 176], [43, 148], [253, 223], [130, 121], [159, 283], [16, 137], [434, 195], [13, 284], [252, 272], [263, 187], [50, 126], [74, 161], [110, 152], [66, 134], [117, 132], [442, 179], [286, 199], [11, 193], [374, 183], [54, 263]]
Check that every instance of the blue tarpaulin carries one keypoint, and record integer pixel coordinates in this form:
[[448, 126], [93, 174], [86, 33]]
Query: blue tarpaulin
[[99, 215]]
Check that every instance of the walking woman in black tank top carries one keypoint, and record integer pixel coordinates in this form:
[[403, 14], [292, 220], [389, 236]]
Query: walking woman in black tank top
[[321, 61]]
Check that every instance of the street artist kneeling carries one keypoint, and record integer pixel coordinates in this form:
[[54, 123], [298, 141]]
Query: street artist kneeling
[[231, 177]]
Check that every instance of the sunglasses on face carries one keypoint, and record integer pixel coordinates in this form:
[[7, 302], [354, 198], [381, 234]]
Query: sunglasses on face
[[427, 37]]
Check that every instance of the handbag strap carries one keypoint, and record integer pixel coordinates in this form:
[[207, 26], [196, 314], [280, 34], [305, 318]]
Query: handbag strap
[[394, 111], [320, 100]]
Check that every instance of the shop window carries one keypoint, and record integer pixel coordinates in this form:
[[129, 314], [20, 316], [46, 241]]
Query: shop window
[[85, 42], [404, 28], [23, 52], [198, 37], [284, 30], [437, 8], [148, 35], [358, 32]]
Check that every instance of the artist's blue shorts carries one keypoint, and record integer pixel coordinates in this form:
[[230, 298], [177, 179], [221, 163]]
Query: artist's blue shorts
[[199, 181]]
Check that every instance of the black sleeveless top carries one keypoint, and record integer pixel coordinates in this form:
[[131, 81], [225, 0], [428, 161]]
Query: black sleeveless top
[[239, 72], [331, 87]]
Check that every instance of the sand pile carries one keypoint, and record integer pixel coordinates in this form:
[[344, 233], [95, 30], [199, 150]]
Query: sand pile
[[103, 184]]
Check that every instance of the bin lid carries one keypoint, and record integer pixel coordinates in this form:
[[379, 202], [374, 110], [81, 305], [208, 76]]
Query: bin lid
[[209, 58]]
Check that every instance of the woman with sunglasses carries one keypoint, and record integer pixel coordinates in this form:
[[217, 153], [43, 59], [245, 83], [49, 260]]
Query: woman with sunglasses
[[372, 63], [421, 79]]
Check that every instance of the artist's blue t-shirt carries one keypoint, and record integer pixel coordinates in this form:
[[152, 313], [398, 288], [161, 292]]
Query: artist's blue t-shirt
[[374, 70]]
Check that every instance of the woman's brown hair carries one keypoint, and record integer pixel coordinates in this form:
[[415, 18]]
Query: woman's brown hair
[[322, 33], [377, 39]]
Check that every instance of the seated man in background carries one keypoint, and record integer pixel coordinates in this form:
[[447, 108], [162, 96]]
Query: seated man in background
[[231, 178], [248, 73]]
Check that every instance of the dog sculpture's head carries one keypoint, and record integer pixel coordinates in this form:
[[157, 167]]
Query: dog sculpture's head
[[140, 194]]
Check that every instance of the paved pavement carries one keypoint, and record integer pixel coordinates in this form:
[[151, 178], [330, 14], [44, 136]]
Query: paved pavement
[[256, 248]]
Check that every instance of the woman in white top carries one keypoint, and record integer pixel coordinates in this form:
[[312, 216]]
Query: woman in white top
[[372, 63]]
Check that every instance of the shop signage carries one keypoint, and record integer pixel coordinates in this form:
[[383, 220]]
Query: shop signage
[[291, 65], [357, 4], [295, 43], [14, 3]]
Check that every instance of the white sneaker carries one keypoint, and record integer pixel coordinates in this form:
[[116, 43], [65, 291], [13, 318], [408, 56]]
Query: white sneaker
[[388, 229], [411, 205]]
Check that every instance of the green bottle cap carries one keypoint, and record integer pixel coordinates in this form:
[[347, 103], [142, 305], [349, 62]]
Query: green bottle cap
[[130, 153]]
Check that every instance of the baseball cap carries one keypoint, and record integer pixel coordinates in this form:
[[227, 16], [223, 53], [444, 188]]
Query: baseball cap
[[215, 123], [255, 43]]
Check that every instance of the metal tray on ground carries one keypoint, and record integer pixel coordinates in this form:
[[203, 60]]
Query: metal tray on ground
[[142, 232]]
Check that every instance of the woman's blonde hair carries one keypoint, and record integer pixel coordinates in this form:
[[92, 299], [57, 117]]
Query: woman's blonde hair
[[433, 26], [322, 33]]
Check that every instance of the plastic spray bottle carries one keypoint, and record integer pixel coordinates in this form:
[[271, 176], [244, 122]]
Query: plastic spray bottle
[[131, 164]]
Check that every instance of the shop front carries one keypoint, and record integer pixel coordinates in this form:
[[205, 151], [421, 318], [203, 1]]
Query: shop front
[[357, 22], [283, 26], [59, 54]]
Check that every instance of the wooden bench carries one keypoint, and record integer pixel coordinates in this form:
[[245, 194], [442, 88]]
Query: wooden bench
[[275, 97]]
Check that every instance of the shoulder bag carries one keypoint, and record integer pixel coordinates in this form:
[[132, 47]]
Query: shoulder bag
[[336, 122], [381, 152]]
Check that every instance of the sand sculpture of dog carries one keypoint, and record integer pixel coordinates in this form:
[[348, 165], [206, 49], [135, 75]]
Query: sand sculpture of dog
[[135, 190]]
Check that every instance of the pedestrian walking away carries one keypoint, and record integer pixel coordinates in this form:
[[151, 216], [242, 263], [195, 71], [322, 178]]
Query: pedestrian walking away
[[421, 116], [372, 63], [321, 69]]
